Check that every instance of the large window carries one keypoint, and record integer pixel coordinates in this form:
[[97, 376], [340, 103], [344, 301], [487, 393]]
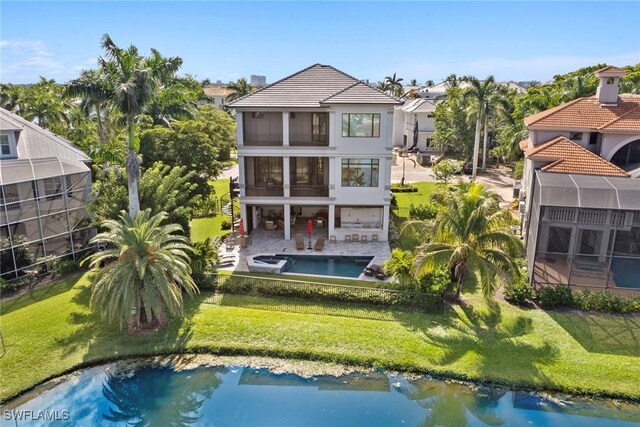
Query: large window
[[361, 125], [5, 145], [307, 170], [269, 171], [360, 172]]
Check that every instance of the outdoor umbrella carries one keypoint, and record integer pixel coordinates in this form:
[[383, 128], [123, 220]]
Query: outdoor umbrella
[[309, 231]]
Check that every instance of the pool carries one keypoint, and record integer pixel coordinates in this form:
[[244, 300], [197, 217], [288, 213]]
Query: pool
[[319, 265], [247, 396], [625, 272]]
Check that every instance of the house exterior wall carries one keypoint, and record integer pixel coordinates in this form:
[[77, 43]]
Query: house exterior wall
[[339, 147]]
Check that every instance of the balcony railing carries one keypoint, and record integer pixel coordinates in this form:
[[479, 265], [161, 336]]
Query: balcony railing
[[309, 191], [308, 140], [264, 190], [263, 139]]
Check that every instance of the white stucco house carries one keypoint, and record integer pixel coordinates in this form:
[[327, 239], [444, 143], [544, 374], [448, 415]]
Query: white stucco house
[[316, 145], [581, 190], [216, 95]]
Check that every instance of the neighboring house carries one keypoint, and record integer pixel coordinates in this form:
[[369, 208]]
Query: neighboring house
[[581, 183], [316, 144], [257, 80], [416, 115], [44, 186], [216, 95]]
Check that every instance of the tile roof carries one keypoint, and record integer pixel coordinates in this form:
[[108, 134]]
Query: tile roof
[[524, 144], [587, 113], [568, 157], [216, 91], [313, 87], [611, 69], [35, 142]]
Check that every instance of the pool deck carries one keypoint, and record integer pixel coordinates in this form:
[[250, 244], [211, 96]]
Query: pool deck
[[267, 242]]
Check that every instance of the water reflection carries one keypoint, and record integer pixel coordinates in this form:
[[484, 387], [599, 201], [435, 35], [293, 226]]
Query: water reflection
[[238, 396], [159, 396]]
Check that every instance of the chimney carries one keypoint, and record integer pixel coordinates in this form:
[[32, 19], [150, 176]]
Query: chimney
[[607, 92]]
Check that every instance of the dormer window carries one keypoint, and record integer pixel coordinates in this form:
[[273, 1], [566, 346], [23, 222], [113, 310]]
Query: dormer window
[[575, 137], [7, 145]]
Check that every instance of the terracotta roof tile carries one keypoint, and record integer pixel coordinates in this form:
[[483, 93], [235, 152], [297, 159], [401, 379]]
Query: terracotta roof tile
[[587, 113], [524, 144], [610, 69], [568, 157]]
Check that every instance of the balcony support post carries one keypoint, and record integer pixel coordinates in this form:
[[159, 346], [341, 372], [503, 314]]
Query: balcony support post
[[285, 129], [286, 187]]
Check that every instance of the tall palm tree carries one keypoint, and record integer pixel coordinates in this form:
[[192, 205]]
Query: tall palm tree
[[95, 92], [239, 88], [10, 96], [395, 84], [413, 82], [147, 268], [496, 104], [428, 83], [479, 92], [135, 80], [452, 80], [470, 236], [383, 86]]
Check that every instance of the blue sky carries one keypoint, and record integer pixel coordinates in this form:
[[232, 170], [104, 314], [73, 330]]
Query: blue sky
[[421, 40]]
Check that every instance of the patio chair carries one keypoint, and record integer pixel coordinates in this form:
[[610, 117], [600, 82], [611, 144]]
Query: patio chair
[[374, 238], [347, 238], [319, 244], [332, 239], [364, 238], [281, 224], [270, 225], [355, 237], [299, 242]]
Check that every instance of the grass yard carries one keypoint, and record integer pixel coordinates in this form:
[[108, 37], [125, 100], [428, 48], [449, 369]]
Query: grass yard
[[201, 228], [52, 331], [425, 189]]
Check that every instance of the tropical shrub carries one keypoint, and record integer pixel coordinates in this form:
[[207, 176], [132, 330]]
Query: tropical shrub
[[146, 268], [65, 266], [518, 169], [400, 266], [555, 296], [225, 225], [436, 281], [423, 212], [446, 169], [605, 301], [519, 291]]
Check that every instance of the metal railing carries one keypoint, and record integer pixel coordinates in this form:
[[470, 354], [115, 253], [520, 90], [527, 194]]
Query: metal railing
[[309, 191], [252, 285], [264, 190]]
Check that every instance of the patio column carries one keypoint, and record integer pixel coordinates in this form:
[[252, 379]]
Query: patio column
[[240, 129], [332, 220], [241, 176], [333, 129], [287, 221], [285, 129], [385, 221], [332, 177], [286, 185]]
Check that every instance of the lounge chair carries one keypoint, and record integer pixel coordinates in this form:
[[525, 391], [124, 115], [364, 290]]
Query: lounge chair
[[299, 242], [319, 244]]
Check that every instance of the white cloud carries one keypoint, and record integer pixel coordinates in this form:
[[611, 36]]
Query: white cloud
[[23, 61]]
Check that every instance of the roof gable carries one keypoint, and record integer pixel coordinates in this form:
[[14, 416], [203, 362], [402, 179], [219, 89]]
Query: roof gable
[[568, 157], [314, 86]]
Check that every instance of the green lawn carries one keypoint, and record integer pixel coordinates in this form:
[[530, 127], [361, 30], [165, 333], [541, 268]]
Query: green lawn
[[52, 331], [425, 189], [201, 228]]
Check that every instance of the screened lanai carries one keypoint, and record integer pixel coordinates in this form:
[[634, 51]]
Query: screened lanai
[[584, 230], [43, 207]]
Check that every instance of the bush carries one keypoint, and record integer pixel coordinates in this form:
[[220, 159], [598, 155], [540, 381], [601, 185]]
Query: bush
[[394, 233], [423, 212], [9, 287], [225, 225], [65, 266], [446, 169], [399, 188], [605, 301], [374, 296], [558, 296], [520, 291], [518, 169], [438, 281]]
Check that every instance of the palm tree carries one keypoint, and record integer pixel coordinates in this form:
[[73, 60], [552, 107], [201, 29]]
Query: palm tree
[[239, 88], [395, 85], [147, 268], [10, 96], [135, 80], [452, 80], [413, 82], [43, 103], [470, 236], [428, 83], [383, 86], [479, 92], [496, 104], [95, 92]]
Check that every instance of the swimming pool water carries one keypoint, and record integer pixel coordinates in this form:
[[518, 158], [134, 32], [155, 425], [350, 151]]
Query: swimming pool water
[[625, 272], [321, 265]]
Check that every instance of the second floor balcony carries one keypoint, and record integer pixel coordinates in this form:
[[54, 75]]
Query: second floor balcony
[[262, 129], [306, 129]]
